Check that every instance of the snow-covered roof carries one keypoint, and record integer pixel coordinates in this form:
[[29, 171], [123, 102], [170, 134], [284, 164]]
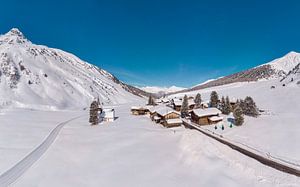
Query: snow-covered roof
[[157, 107], [207, 112], [165, 110], [177, 102], [165, 100], [108, 113], [204, 104], [156, 117], [158, 100], [216, 118], [191, 101], [173, 121], [108, 109], [138, 108]]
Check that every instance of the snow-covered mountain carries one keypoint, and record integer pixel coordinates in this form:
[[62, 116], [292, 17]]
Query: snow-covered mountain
[[278, 68], [156, 89], [36, 76], [286, 63]]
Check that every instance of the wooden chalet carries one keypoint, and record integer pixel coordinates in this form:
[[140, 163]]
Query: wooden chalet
[[139, 110], [172, 122], [166, 116], [177, 104], [191, 103], [206, 116]]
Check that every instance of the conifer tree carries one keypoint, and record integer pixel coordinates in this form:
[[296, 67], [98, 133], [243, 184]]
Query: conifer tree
[[249, 107], [214, 98], [227, 108], [238, 116], [241, 104], [185, 107], [151, 100], [197, 101], [94, 117], [222, 105]]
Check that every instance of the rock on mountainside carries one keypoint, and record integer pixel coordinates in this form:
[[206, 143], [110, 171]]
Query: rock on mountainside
[[36, 76], [278, 68], [292, 77]]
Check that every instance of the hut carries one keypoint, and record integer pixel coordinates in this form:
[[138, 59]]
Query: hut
[[139, 110], [108, 114], [165, 116], [190, 97], [172, 122], [191, 103], [206, 116], [165, 100], [153, 114], [177, 104]]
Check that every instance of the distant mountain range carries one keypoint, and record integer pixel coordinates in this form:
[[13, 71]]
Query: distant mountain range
[[161, 90], [286, 67], [37, 76]]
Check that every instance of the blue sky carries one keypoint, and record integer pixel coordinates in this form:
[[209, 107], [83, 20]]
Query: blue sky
[[161, 43]]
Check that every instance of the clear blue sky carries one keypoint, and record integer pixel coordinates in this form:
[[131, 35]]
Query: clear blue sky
[[160, 42]]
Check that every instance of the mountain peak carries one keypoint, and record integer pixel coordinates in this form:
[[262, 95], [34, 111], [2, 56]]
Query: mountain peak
[[286, 63], [292, 54], [14, 36], [15, 32]]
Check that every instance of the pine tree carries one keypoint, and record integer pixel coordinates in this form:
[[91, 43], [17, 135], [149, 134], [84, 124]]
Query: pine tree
[[214, 98], [249, 107], [238, 116], [197, 101], [94, 117], [222, 105], [185, 107], [151, 101], [241, 104], [227, 108]]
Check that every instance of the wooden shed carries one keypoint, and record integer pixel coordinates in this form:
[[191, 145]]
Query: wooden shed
[[172, 122], [206, 116], [139, 110]]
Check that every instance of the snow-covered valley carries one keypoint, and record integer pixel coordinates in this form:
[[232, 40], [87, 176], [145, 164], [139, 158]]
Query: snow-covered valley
[[134, 151]]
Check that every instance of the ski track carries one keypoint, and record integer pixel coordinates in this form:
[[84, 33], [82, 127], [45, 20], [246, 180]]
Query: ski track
[[12, 174]]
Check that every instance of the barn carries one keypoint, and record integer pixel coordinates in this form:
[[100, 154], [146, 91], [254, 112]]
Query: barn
[[206, 116]]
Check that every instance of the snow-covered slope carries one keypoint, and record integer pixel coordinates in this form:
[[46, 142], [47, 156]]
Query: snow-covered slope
[[277, 129], [277, 68], [286, 63], [36, 76]]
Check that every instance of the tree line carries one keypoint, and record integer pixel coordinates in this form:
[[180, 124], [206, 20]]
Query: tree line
[[242, 107]]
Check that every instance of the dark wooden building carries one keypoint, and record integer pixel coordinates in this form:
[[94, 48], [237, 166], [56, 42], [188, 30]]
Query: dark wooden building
[[206, 116]]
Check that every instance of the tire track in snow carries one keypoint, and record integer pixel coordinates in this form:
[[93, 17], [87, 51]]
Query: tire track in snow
[[12, 174], [268, 161]]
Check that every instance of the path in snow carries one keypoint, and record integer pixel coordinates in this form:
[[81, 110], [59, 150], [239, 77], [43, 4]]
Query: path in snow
[[17, 170], [261, 158]]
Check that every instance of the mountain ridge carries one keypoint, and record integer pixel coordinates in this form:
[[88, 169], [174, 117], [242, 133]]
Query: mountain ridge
[[37, 76], [279, 67]]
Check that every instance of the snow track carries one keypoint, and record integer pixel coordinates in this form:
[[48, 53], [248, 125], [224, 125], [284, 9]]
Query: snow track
[[17, 170], [257, 155]]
